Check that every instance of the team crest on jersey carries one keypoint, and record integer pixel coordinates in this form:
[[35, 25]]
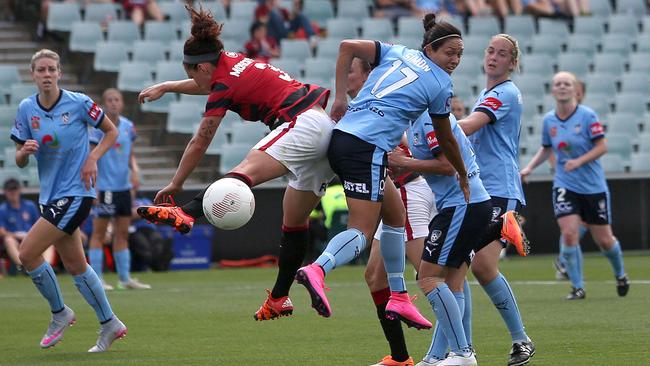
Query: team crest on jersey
[[61, 202], [231, 54], [435, 235], [553, 131], [492, 103], [416, 138], [65, 117], [602, 205], [577, 128], [36, 123]]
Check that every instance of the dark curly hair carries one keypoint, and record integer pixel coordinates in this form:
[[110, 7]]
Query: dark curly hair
[[439, 32], [204, 36]]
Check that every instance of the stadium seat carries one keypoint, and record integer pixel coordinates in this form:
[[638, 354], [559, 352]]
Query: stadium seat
[[600, 7], [236, 30], [531, 86], [133, 76], [639, 62], [486, 26], [8, 75], [160, 105], [470, 67], [229, 120], [297, 49], [201, 100], [556, 28], [409, 27], [520, 26], [529, 109], [537, 64], [600, 84], [410, 42], [640, 162], [548, 103], [584, 43], [589, 25], [644, 142], [612, 64], [623, 123], [232, 155], [7, 117], [645, 24], [643, 41], [218, 143], [545, 44], [61, 16], [616, 43], [622, 24], [174, 11], [328, 49], [183, 116], [612, 163], [124, 31], [20, 91], [148, 51], [631, 7], [109, 55], [248, 133], [464, 88], [85, 36], [475, 45], [243, 10], [355, 9], [290, 66], [318, 10], [575, 62], [619, 144], [601, 104], [319, 68], [632, 103], [342, 28], [169, 70], [380, 29], [101, 12], [175, 50], [160, 31], [636, 82], [215, 7]]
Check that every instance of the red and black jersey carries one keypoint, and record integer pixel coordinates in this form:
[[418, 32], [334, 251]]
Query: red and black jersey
[[258, 91], [401, 180]]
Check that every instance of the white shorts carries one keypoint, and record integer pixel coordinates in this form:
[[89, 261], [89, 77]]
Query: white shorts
[[301, 146], [420, 209]]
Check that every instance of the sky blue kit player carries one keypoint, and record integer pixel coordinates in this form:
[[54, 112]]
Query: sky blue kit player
[[113, 168], [58, 131], [497, 144], [381, 111]]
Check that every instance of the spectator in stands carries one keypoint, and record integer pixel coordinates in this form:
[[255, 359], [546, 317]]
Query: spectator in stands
[[118, 174], [393, 9], [139, 10], [580, 193], [458, 108], [17, 215], [261, 47], [283, 23], [542, 8]]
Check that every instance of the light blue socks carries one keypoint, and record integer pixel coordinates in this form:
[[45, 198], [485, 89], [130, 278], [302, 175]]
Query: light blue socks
[[502, 297], [96, 259], [123, 264], [343, 248], [449, 318], [615, 256], [393, 250], [573, 259], [90, 286], [45, 280]]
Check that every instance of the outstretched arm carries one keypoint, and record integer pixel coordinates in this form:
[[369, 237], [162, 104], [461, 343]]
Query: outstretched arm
[[187, 86], [348, 50]]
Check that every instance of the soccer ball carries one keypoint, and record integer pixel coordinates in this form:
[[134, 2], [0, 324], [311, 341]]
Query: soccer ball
[[228, 204]]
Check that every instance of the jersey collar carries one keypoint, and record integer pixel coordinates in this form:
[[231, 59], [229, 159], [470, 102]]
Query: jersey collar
[[53, 105]]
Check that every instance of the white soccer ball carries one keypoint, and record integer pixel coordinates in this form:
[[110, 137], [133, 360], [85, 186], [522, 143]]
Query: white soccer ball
[[228, 204]]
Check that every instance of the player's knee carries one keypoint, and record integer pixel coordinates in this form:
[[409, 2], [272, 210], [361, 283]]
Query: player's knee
[[429, 283]]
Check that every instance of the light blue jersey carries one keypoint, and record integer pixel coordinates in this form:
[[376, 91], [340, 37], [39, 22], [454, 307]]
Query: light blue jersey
[[424, 146], [113, 167], [497, 143], [572, 138], [62, 135], [19, 219], [403, 85]]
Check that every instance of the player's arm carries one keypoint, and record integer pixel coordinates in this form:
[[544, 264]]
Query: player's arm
[[450, 148], [348, 50], [89, 169], [599, 149], [135, 170], [24, 150], [474, 122], [187, 86], [438, 165], [196, 149], [540, 156]]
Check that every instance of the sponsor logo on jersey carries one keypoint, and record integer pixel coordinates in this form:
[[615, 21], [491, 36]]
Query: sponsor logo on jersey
[[432, 141], [596, 129], [50, 141], [94, 112], [492, 103], [61, 202], [563, 207], [355, 187], [36, 123], [564, 146]]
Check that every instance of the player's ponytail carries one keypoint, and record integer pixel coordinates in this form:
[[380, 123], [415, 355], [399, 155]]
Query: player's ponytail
[[437, 33], [204, 44]]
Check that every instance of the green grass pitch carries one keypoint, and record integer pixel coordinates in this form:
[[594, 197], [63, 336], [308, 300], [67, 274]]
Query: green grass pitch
[[205, 318]]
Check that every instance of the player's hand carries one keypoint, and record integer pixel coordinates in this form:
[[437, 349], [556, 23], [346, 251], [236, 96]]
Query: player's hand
[[152, 93], [29, 147], [135, 180], [89, 173], [571, 164], [398, 159], [339, 107], [463, 182], [525, 172], [170, 190]]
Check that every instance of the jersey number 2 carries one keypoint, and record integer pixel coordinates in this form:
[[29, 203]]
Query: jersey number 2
[[409, 77]]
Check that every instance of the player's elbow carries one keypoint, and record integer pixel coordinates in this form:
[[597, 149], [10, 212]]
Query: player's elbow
[[448, 170], [199, 143]]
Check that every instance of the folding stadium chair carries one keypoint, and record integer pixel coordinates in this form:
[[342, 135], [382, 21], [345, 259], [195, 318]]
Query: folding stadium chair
[[636, 82], [631, 7], [182, 117], [377, 29], [101, 12], [342, 28], [248, 133], [623, 123], [622, 24], [546, 44], [589, 25], [357, 9], [148, 51], [124, 31], [639, 62], [575, 62], [600, 7], [232, 155], [133, 76], [318, 10], [319, 68], [475, 45], [612, 163], [85, 36], [8, 75], [557, 28], [297, 49], [640, 162], [612, 64], [600, 84], [537, 64], [290, 66], [585, 43], [61, 16], [616, 43], [328, 49], [483, 26], [243, 10], [409, 27], [164, 32], [109, 55], [20, 91]]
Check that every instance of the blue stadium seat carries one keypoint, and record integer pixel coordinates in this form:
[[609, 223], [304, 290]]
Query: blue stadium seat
[[148, 51], [8, 75], [585, 43], [631, 7], [470, 67], [623, 123], [231, 156], [19, 91], [124, 31], [101, 12], [215, 7], [243, 10], [487, 26], [640, 162], [574, 62], [520, 26], [290, 66], [636, 82], [183, 116], [342, 28], [410, 42], [589, 25], [622, 24], [319, 68], [175, 50], [218, 143], [133, 76], [7, 116], [85, 36], [616, 43], [537, 64], [632, 103], [557, 28], [475, 45], [169, 70], [546, 44], [464, 88], [600, 84], [612, 64], [619, 143], [601, 104], [61, 16], [600, 7], [644, 142], [175, 11], [297, 49], [639, 62], [409, 27], [109, 55], [248, 133], [643, 41], [356, 9], [160, 105], [612, 163], [318, 10], [164, 32], [236, 30], [380, 29], [328, 49], [531, 86]]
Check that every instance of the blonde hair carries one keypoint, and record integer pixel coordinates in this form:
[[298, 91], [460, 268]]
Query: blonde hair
[[45, 53], [516, 51]]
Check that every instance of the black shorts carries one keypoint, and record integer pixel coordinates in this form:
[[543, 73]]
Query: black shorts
[[455, 232], [361, 166], [67, 213], [112, 204], [594, 209]]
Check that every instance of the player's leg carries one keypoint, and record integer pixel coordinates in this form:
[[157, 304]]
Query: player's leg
[[611, 249], [572, 254], [121, 251], [96, 245]]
